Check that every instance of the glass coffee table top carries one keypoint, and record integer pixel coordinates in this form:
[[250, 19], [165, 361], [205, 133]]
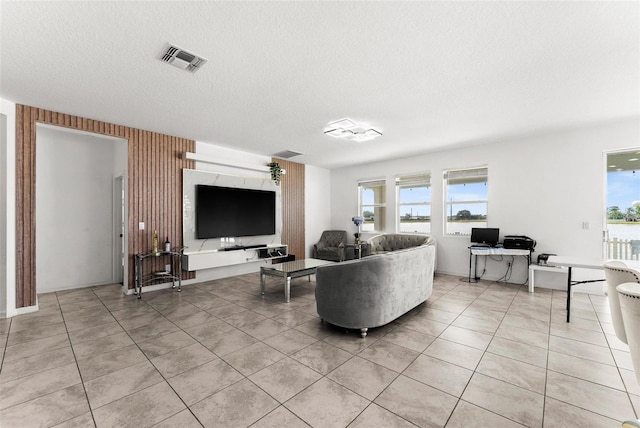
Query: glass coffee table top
[[297, 265], [289, 270]]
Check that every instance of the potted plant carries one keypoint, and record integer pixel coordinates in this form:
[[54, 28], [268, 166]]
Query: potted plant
[[358, 222], [276, 172]]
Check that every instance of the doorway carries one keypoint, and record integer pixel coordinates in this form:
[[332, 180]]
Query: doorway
[[74, 215], [621, 232]]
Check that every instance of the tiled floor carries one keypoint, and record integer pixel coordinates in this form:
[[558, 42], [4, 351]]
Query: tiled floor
[[218, 354]]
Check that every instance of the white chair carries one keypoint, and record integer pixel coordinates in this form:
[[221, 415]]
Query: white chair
[[624, 301], [629, 296], [616, 273]]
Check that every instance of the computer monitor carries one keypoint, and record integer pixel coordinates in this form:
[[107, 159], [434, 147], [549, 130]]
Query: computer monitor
[[485, 235]]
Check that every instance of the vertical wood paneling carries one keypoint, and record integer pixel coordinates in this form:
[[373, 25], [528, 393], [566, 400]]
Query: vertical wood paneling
[[154, 174], [292, 188]]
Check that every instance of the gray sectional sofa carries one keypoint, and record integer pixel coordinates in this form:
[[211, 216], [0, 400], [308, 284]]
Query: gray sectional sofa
[[377, 289]]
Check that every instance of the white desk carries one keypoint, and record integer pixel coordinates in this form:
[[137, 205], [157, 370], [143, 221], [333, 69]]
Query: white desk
[[578, 262], [575, 262], [532, 273], [494, 251]]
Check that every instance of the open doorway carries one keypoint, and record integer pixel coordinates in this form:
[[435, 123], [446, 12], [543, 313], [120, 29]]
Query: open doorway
[[621, 236], [75, 211]]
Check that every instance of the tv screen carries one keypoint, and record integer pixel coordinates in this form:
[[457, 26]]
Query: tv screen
[[231, 212], [486, 235]]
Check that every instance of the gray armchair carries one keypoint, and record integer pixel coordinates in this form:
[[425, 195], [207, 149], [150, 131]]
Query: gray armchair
[[331, 245]]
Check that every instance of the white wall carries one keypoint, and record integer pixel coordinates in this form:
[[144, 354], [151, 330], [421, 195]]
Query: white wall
[[7, 209], [317, 205], [74, 208], [543, 186]]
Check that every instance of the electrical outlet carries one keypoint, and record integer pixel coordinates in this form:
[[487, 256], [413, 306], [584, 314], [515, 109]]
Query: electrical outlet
[[167, 268], [141, 225]]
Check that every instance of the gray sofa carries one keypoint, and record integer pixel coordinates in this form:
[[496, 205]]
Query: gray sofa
[[375, 290]]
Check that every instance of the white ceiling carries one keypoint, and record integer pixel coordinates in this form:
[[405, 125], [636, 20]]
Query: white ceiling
[[428, 75]]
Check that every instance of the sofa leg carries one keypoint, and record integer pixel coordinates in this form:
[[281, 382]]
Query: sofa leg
[[363, 332]]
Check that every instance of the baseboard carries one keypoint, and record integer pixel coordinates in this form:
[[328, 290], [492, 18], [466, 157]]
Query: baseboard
[[149, 288]]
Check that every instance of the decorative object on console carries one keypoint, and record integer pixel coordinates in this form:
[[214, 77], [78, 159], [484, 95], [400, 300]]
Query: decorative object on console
[[155, 242], [357, 220], [276, 172], [167, 245]]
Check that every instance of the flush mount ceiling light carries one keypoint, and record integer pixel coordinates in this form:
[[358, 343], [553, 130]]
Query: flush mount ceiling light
[[182, 59], [350, 130]]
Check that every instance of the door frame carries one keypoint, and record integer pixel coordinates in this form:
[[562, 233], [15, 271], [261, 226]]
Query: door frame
[[605, 191], [120, 209]]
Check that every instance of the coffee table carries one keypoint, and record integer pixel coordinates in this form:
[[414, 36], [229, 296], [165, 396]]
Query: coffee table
[[288, 270]]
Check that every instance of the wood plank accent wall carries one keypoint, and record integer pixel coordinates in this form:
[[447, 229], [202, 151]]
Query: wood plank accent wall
[[292, 185], [154, 183]]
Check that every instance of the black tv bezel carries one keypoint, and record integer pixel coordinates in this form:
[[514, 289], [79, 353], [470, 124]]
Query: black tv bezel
[[478, 239], [235, 232]]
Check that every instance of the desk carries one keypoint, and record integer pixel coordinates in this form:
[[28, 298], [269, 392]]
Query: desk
[[494, 251], [532, 273], [575, 262]]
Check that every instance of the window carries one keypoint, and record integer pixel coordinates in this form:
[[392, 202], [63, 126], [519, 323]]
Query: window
[[372, 204], [466, 198], [414, 203]]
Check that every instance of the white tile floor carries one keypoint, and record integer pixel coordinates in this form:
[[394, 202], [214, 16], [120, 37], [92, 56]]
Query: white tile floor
[[219, 354]]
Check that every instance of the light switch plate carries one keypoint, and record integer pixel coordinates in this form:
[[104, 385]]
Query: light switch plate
[[141, 225]]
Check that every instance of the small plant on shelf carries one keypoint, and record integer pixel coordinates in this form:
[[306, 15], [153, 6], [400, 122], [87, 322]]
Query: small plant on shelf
[[276, 172], [358, 222]]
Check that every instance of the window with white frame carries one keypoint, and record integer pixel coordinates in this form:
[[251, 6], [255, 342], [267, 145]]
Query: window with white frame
[[413, 198], [466, 198], [372, 204]]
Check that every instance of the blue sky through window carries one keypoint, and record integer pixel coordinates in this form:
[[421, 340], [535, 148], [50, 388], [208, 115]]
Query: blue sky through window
[[623, 188], [468, 192], [415, 197]]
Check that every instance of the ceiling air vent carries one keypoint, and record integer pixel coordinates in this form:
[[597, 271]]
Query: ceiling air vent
[[182, 59], [286, 154]]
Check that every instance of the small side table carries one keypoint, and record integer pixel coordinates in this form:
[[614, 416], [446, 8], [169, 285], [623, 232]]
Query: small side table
[[357, 250], [174, 275]]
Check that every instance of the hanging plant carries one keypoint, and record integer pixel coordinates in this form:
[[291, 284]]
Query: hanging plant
[[276, 172]]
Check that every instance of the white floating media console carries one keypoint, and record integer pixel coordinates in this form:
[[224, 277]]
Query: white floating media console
[[225, 257], [201, 254]]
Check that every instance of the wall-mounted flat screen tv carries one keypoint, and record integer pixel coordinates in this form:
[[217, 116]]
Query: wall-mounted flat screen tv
[[232, 212], [485, 235]]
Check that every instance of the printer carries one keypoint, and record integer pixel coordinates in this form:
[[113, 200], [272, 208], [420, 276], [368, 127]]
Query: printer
[[519, 242]]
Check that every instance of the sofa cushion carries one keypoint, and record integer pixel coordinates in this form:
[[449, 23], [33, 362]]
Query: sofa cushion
[[395, 241]]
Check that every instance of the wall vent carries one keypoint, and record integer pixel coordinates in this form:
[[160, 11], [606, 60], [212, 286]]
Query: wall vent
[[286, 154], [180, 58]]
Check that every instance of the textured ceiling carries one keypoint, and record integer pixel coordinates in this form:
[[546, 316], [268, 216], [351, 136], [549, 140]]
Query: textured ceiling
[[428, 75]]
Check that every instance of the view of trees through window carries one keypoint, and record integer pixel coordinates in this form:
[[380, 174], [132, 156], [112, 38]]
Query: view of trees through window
[[466, 200], [414, 203], [623, 206]]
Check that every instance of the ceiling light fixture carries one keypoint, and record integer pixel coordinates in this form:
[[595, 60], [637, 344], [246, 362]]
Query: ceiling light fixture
[[350, 130]]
